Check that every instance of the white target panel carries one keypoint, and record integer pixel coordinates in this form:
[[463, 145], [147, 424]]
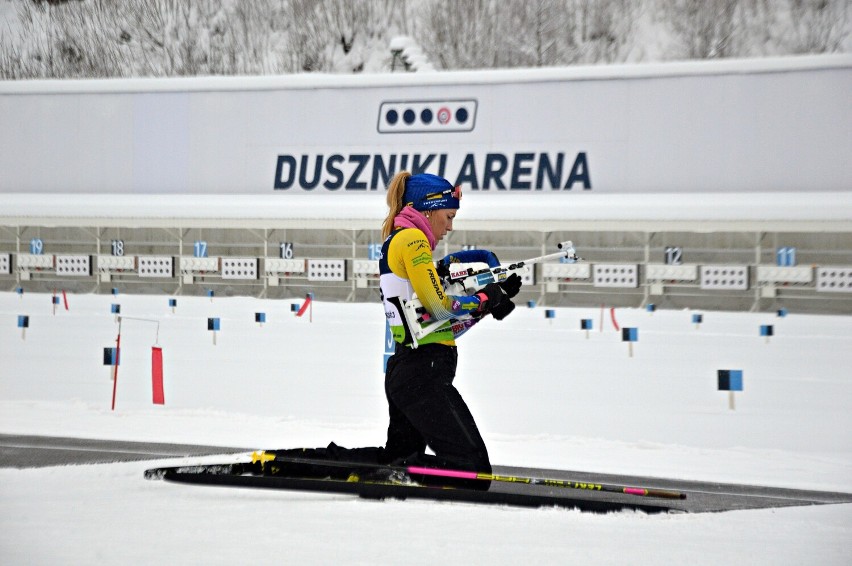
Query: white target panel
[[116, 263], [239, 268], [5, 264], [834, 279], [272, 266], [156, 266], [33, 261], [199, 264], [365, 268], [326, 270], [725, 277], [74, 265], [623, 275], [777, 274], [669, 272], [554, 271]]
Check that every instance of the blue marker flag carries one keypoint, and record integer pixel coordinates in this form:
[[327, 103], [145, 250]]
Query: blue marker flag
[[730, 379], [110, 356]]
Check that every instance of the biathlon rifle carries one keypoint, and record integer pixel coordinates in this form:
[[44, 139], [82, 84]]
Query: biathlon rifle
[[465, 280]]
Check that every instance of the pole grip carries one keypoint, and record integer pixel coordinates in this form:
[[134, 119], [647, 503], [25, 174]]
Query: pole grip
[[664, 494]]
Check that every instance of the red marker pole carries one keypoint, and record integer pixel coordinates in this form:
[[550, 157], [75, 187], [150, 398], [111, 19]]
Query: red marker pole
[[117, 359], [612, 315], [308, 304]]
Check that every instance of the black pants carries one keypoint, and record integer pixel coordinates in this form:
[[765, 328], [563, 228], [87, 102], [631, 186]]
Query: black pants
[[426, 409]]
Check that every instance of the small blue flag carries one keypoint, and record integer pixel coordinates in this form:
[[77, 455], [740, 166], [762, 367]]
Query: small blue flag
[[730, 379]]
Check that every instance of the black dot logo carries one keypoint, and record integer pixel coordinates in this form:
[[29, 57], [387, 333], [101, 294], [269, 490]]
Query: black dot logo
[[427, 116]]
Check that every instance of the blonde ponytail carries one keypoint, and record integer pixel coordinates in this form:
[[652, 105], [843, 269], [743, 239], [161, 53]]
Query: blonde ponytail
[[396, 190]]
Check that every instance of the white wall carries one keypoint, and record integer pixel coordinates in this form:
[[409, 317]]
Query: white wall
[[773, 125]]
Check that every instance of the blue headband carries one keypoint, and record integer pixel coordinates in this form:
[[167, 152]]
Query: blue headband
[[430, 192]]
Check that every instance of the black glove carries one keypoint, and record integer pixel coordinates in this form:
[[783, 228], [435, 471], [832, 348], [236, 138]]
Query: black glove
[[497, 301], [512, 285], [502, 310], [494, 295]]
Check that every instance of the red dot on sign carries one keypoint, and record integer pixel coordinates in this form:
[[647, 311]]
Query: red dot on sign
[[444, 115]]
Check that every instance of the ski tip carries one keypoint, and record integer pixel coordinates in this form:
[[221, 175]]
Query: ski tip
[[155, 474]]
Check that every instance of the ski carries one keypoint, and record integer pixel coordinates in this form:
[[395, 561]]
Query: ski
[[236, 468], [244, 476]]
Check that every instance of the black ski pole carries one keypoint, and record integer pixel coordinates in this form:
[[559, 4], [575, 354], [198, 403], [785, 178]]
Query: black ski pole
[[264, 456]]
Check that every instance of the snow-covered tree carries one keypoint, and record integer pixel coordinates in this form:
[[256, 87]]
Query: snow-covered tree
[[121, 38]]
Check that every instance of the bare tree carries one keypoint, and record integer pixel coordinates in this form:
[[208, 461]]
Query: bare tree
[[459, 35], [604, 29], [817, 26], [756, 28], [705, 28], [512, 33], [531, 33]]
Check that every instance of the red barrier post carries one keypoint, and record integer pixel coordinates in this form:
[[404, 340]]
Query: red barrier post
[[157, 375]]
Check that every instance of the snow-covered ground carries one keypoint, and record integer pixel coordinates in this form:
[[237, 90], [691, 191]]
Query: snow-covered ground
[[543, 393]]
